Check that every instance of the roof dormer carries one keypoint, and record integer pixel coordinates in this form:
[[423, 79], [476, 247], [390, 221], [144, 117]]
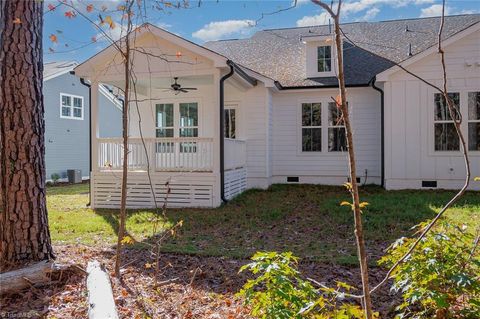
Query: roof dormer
[[321, 56]]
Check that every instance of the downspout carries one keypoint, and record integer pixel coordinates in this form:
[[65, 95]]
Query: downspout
[[382, 129], [82, 80], [222, 128]]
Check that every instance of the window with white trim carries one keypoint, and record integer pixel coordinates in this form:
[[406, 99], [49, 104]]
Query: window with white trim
[[71, 106], [337, 141], [164, 126], [446, 138], [311, 127], [474, 121], [188, 126], [164, 120], [230, 125], [324, 58]]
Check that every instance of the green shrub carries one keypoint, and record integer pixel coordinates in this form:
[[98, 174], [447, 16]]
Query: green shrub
[[55, 177], [279, 292], [440, 279]]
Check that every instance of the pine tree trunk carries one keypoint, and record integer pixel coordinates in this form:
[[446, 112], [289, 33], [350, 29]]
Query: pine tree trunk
[[24, 233]]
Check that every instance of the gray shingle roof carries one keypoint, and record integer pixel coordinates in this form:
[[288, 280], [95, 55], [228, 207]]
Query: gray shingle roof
[[280, 54]]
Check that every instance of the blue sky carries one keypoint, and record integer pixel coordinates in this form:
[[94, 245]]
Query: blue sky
[[225, 19]]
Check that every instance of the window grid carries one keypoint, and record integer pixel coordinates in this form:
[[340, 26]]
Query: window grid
[[311, 127], [336, 129], [473, 121], [446, 138], [324, 58], [71, 106]]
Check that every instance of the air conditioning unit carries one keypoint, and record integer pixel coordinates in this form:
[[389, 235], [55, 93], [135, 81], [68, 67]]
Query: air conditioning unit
[[74, 176]]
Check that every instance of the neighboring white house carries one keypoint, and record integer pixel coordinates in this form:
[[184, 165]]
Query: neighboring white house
[[67, 119], [273, 94]]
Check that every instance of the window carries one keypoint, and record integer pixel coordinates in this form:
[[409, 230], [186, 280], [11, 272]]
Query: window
[[71, 106], [324, 58], [446, 138], [230, 123], [164, 127], [164, 120], [337, 141], [188, 126], [311, 127], [474, 121]]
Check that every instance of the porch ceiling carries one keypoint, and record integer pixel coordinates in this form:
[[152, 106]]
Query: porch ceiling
[[144, 84]]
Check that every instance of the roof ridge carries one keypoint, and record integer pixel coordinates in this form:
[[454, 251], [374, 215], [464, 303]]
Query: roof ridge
[[368, 22]]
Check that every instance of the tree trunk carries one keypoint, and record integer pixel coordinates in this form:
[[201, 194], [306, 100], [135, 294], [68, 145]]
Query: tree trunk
[[362, 252], [24, 233]]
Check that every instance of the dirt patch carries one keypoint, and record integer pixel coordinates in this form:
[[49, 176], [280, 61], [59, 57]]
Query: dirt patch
[[188, 287]]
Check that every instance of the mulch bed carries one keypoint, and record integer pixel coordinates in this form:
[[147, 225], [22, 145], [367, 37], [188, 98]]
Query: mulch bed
[[188, 287]]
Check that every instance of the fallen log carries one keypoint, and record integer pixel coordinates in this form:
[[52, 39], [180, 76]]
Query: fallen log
[[101, 304], [33, 275]]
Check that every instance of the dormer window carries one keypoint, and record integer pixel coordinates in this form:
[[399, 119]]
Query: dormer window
[[320, 56], [324, 58]]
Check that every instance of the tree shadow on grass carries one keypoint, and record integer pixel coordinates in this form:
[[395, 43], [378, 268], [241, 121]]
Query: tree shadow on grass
[[305, 219]]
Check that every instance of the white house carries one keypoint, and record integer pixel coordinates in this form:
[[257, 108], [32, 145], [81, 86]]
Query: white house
[[272, 93]]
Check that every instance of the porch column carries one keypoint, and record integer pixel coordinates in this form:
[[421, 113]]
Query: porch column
[[94, 128], [216, 138]]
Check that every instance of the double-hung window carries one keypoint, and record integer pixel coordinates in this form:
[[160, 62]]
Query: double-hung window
[[188, 126], [164, 126], [311, 127], [474, 121], [71, 106], [337, 141], [324, 58], [446, 138]]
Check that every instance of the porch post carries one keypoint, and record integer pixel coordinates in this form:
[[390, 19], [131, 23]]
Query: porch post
[[94, 133], [217, 200], [94, 126]]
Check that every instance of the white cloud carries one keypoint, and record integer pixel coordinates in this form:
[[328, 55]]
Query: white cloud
[[308, 21], [434, 10], [220, 29], [300, 2], [370, 14]]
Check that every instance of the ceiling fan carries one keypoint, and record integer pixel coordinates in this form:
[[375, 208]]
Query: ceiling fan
[[177, 88]]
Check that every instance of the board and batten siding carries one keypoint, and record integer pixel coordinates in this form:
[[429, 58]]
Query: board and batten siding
[[410, 157], [325, 167], [254, 124]]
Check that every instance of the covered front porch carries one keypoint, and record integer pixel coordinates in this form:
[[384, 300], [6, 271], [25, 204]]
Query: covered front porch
[[184, 144]]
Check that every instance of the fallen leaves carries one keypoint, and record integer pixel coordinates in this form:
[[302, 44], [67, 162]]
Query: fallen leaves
[[70, 14], [53, 38]]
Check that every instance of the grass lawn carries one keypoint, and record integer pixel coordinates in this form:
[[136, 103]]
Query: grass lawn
[[305, 219]]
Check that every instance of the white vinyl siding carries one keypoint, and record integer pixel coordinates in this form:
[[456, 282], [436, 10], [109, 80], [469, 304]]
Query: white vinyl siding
[[325, 167]]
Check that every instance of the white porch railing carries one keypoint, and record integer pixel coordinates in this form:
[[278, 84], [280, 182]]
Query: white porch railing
[[235, 153], [164, 154]]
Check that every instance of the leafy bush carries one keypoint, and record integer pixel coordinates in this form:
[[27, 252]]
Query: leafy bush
[[55, 177], [279, 292], [440, 279]]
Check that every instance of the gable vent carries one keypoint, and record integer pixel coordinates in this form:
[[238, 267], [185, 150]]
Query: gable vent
[[431, 184]]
